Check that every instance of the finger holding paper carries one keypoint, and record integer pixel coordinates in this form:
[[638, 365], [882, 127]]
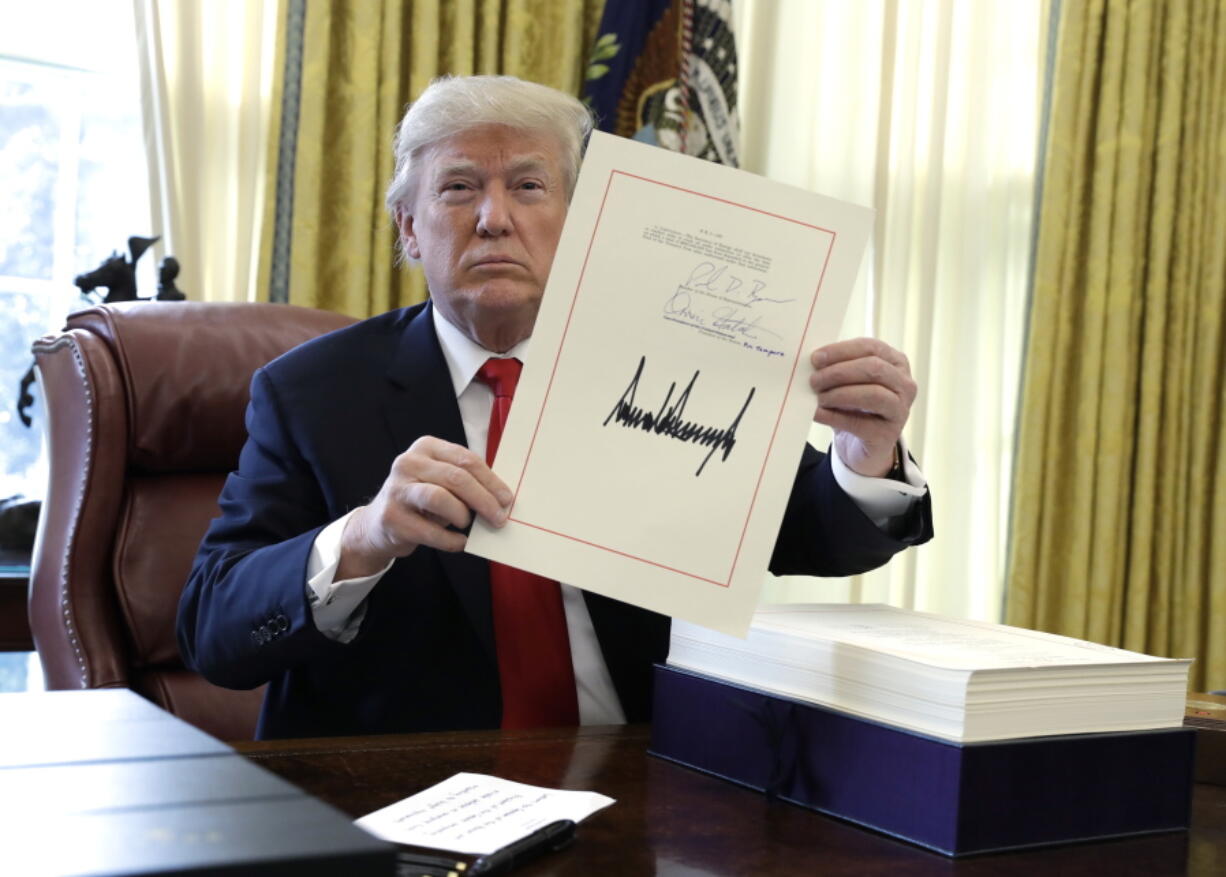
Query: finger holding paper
[[864, 393], [432, 490]]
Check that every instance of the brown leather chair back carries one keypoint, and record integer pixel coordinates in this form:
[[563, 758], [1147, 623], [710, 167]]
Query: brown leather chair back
[[145, 404]]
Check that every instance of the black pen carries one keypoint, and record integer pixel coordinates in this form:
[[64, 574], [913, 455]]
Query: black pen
[[554, 836], [415, 864]]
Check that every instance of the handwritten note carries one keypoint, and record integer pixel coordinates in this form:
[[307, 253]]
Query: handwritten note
[[665, 400], [477, 814]]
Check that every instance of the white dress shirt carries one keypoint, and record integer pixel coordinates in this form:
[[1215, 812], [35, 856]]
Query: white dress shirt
[[339, 607]]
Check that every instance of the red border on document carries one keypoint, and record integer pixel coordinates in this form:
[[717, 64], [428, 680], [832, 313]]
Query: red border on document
[[774, 432]]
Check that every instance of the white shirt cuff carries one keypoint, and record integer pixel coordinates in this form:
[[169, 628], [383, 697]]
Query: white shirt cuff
[[881, 499], [337, 607]]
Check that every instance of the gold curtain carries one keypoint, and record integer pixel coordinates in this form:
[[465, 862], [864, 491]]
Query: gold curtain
[[362, 62], [1119, 522]]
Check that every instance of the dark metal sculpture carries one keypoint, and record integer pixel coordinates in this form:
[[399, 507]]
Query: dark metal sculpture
[[24, 399], [167, 291], [117, 274]]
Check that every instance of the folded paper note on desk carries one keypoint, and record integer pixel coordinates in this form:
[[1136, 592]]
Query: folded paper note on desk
[[965, 681], [478, 814]]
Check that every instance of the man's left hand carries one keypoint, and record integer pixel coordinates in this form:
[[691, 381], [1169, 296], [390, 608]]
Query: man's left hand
[[864, 393]]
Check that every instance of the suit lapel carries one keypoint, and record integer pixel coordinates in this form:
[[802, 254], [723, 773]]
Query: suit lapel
[[631, 641], [421, 401]]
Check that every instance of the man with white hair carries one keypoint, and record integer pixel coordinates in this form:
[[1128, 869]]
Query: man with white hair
[[336, 571]]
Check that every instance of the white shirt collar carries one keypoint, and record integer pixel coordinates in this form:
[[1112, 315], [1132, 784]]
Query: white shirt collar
[[463, 355]]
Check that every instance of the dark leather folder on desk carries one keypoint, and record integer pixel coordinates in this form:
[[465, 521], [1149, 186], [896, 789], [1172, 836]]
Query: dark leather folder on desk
[[103, 782]]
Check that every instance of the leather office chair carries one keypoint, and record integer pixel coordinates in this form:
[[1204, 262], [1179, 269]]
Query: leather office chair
[[145, 404]]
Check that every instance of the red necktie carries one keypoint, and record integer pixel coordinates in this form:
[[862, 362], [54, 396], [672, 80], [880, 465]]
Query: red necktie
[[534, 666]]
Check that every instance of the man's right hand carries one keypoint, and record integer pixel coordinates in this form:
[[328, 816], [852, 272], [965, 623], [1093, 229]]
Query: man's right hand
[[432, 485]]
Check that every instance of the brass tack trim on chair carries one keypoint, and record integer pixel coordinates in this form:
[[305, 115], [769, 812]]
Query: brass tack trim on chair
[[65, 606]]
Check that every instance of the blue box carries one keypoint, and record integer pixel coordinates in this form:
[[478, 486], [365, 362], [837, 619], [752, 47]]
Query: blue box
[[954, 798]]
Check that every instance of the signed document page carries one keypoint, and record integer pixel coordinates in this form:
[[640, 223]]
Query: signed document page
[[659, 421]]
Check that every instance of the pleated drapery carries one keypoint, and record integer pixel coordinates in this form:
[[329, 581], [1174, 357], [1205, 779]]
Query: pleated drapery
[[1119, 529], [330, 243], [207, 81], [928, 111]]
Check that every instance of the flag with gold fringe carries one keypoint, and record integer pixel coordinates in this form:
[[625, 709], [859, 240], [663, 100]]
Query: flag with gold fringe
[[664, 72]]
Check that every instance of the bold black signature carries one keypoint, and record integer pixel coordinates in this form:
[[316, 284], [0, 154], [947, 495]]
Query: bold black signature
[[667, 421]]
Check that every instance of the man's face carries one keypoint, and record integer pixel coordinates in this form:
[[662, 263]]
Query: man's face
[[485, 223]]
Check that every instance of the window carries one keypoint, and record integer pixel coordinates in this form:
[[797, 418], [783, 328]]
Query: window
[[73, 171], [75, 186]]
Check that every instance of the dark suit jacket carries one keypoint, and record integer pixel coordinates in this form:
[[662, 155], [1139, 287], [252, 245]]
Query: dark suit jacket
[[325, 422]]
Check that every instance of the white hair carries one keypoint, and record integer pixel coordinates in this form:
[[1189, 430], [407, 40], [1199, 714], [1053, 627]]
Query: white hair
[[451, 105]]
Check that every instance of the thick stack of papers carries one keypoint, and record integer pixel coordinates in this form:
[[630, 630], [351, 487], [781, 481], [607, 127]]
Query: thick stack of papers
[[965, 681]]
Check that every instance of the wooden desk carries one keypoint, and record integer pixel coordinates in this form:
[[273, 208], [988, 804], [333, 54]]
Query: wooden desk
[[670, 820]]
